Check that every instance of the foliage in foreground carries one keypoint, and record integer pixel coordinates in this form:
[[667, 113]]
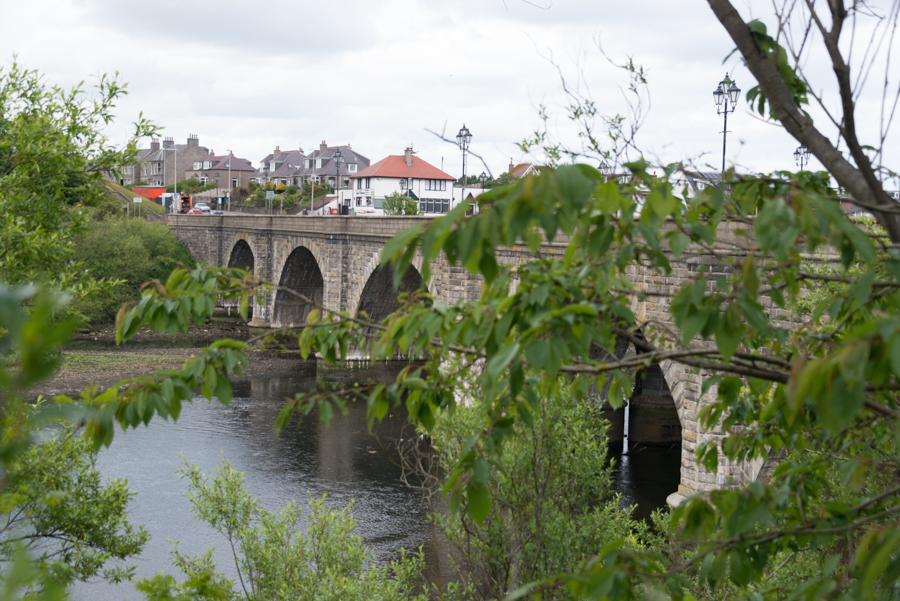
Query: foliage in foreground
[[551, 506], [822, 389], [57, 506], [52, 155], [275, 558]]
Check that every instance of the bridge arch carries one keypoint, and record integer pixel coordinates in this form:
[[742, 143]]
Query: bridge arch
[[242, 256], [301, 273], [379, 298]]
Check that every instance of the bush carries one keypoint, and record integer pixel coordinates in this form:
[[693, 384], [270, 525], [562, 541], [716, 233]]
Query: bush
[[530, 534], [132, 250], [275, 558], [399, 204], [252, 186], [240, 194], [292, 189], [280, 188]]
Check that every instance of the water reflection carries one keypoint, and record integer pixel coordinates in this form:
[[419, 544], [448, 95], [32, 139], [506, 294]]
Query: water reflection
[[343, 461], [645, 476]]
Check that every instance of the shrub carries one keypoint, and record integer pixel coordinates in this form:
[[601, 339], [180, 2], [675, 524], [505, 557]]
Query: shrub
[[252, 186], [276, 558], [292, 189], [399, 204], [280, 188], [530, 534], [132, 250]]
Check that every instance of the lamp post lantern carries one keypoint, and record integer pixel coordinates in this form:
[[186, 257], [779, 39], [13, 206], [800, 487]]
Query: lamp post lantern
[[463, 138], [801, 157], [338, 158], [726, 97]]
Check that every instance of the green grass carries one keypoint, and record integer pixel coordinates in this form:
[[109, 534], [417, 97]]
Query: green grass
[[147, 204], [125, 362]]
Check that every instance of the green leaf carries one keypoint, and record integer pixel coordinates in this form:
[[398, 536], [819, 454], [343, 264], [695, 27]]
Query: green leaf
[[728, 334], [478, 501]]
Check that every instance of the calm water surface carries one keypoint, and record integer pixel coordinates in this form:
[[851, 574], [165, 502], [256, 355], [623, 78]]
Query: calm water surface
[[344, 462]]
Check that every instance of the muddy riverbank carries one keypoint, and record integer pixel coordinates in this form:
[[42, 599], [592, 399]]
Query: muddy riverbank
[[92, 358]]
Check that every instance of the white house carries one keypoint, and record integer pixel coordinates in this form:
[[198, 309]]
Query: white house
[[405, 174]]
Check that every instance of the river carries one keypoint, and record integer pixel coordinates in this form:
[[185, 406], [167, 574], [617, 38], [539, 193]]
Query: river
[[344, 462]]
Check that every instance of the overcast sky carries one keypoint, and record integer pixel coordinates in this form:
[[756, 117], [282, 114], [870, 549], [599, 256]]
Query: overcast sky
[[378, 73]]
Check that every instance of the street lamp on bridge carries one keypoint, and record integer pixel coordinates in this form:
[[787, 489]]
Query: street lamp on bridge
[[801, 156], [726, 97]]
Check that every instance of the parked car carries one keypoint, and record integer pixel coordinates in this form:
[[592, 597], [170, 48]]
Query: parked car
[[203, 207], [196, 211]]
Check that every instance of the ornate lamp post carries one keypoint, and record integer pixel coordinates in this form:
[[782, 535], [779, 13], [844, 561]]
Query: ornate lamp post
[[216, 177], [338, 158], [726, 97], [483, 179], [801, 156], [463, 138]]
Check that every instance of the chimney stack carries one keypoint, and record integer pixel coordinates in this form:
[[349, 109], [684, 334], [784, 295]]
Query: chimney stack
[[277, 150], [407, 156], [193, 141], [323, 146], [154, 144], [511, 166], [168, 142]]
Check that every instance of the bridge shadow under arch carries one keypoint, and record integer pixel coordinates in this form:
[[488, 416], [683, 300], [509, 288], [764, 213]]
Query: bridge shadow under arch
[[301, 274], [379, 298], [242, 256]]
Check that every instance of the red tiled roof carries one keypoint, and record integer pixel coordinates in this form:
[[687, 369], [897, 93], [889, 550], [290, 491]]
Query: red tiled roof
[[395, 166]]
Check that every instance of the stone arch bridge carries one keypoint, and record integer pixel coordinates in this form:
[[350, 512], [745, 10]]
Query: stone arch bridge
[[335, 260]]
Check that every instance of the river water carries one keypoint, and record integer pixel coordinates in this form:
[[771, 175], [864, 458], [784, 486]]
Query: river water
[[344, 462]]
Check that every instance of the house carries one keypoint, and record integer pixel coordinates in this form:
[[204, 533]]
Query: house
[[281, 165], [406, 174], [295, 167], [320, 166], [163, 165], [205, 169], [523, 169]]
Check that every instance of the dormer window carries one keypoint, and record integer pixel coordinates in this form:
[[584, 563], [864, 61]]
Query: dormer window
[[207, 164], [351, 167], [306, 164], [318, 163], [196, 165]]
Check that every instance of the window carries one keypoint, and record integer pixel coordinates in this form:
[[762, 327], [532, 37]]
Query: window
[[428, 184], [318, 163], [196, 165], [306, 163], [204, 180], [234, 183], [351, 167], [207, 164]]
